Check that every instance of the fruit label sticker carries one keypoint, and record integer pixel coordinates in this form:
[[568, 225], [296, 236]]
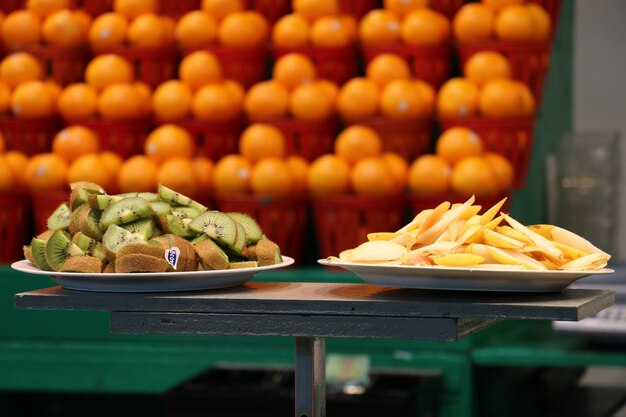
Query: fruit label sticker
[[172, 255]]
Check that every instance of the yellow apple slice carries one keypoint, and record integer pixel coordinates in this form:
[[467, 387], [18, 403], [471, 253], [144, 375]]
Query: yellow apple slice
[[402, 239], [346, 255], [569, 238], [481, 250], [512, 233], [470, 212], [491, 213], [499, 266], [509, 256], [546, 246], [501, 241], [431, 233], [377, 251], [592, 262], [434, 216], [473, 234], [568, 251], [382, 235], [454, 229], [458, 259]]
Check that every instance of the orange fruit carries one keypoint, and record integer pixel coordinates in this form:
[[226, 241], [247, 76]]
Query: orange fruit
[[473, 176], [137, 173], [222, 8], [541, 20], [203, 170], [315, 9], [387, 67], [260, 140], [298, 169], [21, 29], [196, 29], [270, 177], [485, 66], [169, 141], [290, 31], [120, 101], [178, 174], [144, 95], [515, 23], [112, 162], [502, 170], [403, 7], [457, 143], [379, 27], [44, 8], [78, 101], [134, 8], [84, 20], [8, 181], [63, 29], [350, 26], [310, 102], [90, 168], [358, 99], [473, 21], [146, 31], [331, 32], [357, 142], [200, 68], [528, 101], [231, 175], [425, 27], [20, 67], [398, 169], [501, 98], [108, 30], [46, 172], [54, 89], [243, 29], [172, 101], [266, 100], [214, 102], [73, 142], [236, 91], [457, 97], [294, 69], [109, 69], [427, 96], [17, 161], [330, 89], [370, 177], [33, 99], [328, 175], [429, 175], [400, 99], [5, 97], [500, 4]]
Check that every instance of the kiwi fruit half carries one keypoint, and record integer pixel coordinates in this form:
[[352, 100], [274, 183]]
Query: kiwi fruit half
[[115, 237], [38, 248], [217, 225], [211, 255], [252, 228], [59, 248], [60, 218], [85, 264], [125, 211], [170, 196]]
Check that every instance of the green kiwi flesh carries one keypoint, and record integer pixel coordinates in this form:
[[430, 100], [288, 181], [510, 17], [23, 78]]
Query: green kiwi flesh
[[211, 255], [60, 218], [84, 264], [217, 225], [144, 228], [186, 212], [243, 264], [38, 247], [115, 237], [199, 239], [170, 196], [252, 228], [151, 197], [171, 223], [86, 185], [102, 201], [84, 242], [80, 196], [240, 240], [125, 211], [59, 248], [89, 222], [160, 208]]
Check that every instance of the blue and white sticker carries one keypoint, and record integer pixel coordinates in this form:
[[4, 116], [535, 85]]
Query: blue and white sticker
[[172, 255]]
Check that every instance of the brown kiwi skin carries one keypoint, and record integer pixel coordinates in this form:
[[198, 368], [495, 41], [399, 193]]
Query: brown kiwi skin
[[74, 226], [266, 252], [85, 264], [28, 254], [140, 263], [188, 258], [206, 251], [45, 235], [109, 268], [249, 252], [141, 248]]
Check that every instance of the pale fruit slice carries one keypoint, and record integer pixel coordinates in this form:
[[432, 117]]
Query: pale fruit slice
[[377, 251], [481, 250], [459, 260], [508, 256], [346, 255], [382, 235], [546, 246], [434, 248], [512, 233], [431, 234], [568, 251], [473, 234], [569, 238], [454, 229], [592, 262], [402, 239], [471, 212], [499, 266], [491, 213], [501, 241]]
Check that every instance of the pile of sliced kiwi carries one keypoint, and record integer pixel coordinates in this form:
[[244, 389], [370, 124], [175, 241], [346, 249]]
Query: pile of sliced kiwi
[[146, 232]]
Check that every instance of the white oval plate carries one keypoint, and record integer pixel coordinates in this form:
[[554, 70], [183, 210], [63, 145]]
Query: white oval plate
[[150, 281], [463, 279]]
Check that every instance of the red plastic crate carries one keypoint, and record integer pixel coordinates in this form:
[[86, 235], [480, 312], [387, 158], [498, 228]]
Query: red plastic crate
[[8, 6], [247, 66], [177, 8], [529, 60], [511, 137], [282, 220], [30, 136], [61, 65], [214, 139], [14, 226], [358, 8], [124, 137], [430, 63], [44, 204], [409, 138], [308, 139], [343, 222], [152, 66], [335, 64], [419, 203], [446, 7], [92, 7], [271, 9]]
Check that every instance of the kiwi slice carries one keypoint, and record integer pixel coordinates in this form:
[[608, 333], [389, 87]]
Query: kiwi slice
[[240, 240], [85, 264], [86, 185], [84, 242], [249, 252], [144, 228], [59, 248], [170, 223], [243, 264], [28, 254], [109, 268], [170, 196], [60, 218], [252, 228], [140, 263], [186, 212], [74, 226], [160, 208], [126, 195], [267, 253], [89, 222], [151, 197], [187, 260], [125, 211], [217, 225], [80, 196], [211, 255], [142, 249], [45, 235], [102, 201], [38, 247], [98, 251], [199, 239], [115, 237]]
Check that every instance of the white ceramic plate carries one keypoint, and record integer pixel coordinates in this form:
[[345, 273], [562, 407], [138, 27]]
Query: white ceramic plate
[[150, 281], [464, 279]]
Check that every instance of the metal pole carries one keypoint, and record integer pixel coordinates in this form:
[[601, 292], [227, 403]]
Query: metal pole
[[310, 377]]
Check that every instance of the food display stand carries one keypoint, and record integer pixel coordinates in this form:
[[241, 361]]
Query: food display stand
[[311, 312]]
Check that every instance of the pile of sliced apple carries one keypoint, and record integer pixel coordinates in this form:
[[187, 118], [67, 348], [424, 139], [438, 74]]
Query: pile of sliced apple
[[455, 235]]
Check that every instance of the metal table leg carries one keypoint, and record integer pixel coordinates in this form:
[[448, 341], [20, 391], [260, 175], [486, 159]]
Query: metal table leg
[[310, 377]]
